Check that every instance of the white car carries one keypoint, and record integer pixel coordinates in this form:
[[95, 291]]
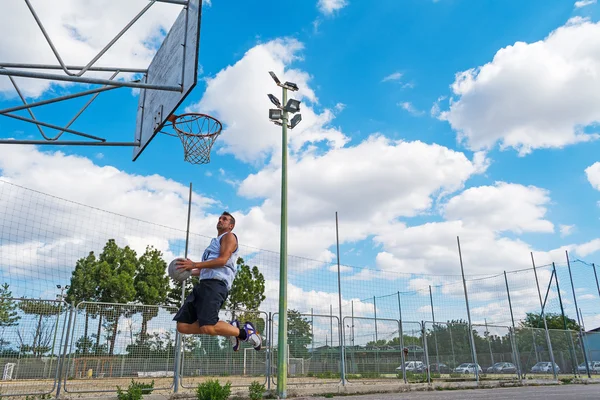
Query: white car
[[468, 368], [413, 366], [594, 367]]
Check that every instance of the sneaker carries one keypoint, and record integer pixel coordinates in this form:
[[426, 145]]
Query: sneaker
[[252, 336], [235, 341]]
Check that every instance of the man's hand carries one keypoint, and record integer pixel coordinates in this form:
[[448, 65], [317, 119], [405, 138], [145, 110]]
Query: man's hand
[[186, 264]]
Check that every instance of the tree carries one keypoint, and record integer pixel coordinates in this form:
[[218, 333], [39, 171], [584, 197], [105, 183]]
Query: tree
[[42, 309], [554, 321], [8, 308], [246, 295], [151, 285], [8, 312], [116, 270], [83, 288], [299, 334]]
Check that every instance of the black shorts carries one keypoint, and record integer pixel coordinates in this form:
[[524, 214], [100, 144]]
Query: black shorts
[[204, 303]]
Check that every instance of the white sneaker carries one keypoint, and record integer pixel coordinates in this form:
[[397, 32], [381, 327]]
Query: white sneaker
[[252, 336], [235, 341]]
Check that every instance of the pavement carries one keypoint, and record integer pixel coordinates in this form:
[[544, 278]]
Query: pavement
[[570, 392]]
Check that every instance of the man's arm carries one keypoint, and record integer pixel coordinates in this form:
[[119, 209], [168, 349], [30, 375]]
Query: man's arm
[[228, 245]]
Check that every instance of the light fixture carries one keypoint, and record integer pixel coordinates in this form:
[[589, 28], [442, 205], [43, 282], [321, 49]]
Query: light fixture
[[292, 106], [274, 100], [275, 113], [295, 121], [277, 81], [291, 86]]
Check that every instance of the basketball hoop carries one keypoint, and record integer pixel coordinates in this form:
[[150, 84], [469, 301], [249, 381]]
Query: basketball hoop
[[197, 133]]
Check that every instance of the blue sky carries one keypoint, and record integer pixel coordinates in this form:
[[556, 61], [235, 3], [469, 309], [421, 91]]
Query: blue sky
[[422, 121]]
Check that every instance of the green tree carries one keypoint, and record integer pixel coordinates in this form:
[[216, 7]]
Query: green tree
[[299, 334], [116, 270], [83, 288], [8, 312], [151, 285], [554, 321], [43, 310], [247, 294], [8, 308]]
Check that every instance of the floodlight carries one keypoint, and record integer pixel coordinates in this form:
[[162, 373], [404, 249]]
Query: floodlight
[[277, 122], [291, 86], [275, 113], [296, 120], [292, 106], [274, 100], [58, 286], [277, 81]]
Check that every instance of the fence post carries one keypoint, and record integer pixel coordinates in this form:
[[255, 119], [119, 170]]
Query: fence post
[[548, 341], [437, 353], [269, 348], [513, 339], [562, 311], [402, 358], [471, 338], [585, 358], [424, 336], [64, 356], [596, 276], [340, 327]]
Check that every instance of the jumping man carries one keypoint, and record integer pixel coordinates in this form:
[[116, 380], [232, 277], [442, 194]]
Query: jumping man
[[199, 314]]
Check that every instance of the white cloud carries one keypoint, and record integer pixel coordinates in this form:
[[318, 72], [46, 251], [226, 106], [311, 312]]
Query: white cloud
[[407, 177], [584, 3], [408, 106], [501, 207], [392, 77], [585, 249], [532, 95], [566, 230], [248, 133], [587, 297], [328, 7], [79, 30], [593, 175]]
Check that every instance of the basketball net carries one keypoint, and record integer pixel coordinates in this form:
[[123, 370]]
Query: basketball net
[[197, 133]]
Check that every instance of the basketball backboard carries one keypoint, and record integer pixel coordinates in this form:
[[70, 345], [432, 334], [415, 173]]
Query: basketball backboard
[[175, 63], [163, 86]]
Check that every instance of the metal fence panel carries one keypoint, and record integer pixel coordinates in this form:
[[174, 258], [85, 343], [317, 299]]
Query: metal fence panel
[[111, 344], [372, 347], [30, 342], [313, 348], [452, 356], [208, 357], [495, 352]]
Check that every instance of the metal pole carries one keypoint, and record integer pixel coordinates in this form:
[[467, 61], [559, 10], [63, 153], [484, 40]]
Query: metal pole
[[487, 334], [375, 311], [562, 312], [596, 276], [49, 66], [282, 338], [471, 338], [81, 79], [64, 356], [352, 304], [548, 341], [402, 358], [178, 337], [585, 358], [512, 318], [342, 364], [331, 325], [312, 330], [437, 354]]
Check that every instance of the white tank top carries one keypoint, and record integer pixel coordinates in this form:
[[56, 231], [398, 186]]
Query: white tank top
[[226, 273]]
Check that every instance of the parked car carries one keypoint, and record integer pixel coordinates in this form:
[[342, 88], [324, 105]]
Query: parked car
[[594, 367], [440, 368], [468, 368], [502, 368], [545, 367], [413, 366]]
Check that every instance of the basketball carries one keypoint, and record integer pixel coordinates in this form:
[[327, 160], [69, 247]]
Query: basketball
[[178, 275]]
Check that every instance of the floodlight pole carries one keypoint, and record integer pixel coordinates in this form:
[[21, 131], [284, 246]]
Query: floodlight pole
[[282, 333]]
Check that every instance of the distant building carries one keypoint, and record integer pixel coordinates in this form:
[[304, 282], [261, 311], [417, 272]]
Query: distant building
[[592, 344]]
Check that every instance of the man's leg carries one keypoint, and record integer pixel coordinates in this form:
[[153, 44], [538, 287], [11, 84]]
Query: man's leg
[[221, 328]]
